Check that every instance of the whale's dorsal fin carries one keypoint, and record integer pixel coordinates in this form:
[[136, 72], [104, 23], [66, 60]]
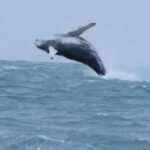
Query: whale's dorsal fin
[[80, 30]]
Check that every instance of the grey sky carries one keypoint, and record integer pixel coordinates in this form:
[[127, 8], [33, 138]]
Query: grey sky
[[122, 34]]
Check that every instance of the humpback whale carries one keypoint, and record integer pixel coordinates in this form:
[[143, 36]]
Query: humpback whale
[[72, 46]]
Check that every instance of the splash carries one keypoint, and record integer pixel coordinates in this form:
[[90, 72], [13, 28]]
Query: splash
[[115, 74], [121, 75]]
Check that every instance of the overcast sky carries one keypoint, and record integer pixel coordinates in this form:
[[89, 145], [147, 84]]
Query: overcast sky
[[121, 36]]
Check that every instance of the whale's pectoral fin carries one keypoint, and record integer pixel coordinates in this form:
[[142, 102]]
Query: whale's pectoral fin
[[52, 52], [80, 30]]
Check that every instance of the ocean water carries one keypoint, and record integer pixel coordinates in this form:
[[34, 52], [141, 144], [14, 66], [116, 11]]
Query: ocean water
[[61, 106]]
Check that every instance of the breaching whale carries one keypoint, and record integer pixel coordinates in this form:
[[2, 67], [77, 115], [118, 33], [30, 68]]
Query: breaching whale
[[71, 45]]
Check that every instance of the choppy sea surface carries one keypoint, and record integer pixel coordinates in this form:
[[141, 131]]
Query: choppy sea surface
[[58, 106]]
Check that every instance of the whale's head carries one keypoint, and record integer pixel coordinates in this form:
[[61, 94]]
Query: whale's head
[[42, 44]]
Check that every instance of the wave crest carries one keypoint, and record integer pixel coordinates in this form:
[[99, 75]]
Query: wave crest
[[121, 75]]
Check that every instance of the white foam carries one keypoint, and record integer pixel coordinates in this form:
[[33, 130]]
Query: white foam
[[122, 75], [102, 114], [52, 139], [9, 67]]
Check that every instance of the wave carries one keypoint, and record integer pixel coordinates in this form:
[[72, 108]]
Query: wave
[[121, 75], [127, 74], [8, 67], [39, 142], [115, 74]]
